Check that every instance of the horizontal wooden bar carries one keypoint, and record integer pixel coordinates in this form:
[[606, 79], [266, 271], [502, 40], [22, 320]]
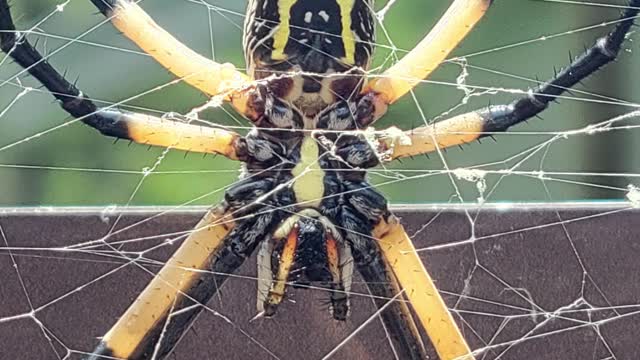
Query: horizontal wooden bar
[[520, 284]]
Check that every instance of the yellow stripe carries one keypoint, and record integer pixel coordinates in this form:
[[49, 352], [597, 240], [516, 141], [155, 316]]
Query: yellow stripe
[[347, 35], [281, 36], [309, 176]]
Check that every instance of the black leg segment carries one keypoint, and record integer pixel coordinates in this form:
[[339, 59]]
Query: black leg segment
[[605, 50], [144, 129], [72, 100]]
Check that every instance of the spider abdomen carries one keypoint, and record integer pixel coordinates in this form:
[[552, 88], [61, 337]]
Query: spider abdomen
[[285, 32], [312, 53]]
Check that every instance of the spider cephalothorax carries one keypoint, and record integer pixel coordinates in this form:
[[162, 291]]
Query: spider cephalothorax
[[326, 202], [303, 199]]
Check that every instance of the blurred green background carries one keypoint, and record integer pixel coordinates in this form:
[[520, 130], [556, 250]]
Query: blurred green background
[[74, 165]]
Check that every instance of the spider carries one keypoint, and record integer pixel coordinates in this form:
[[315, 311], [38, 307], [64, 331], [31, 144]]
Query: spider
[[303, 201]]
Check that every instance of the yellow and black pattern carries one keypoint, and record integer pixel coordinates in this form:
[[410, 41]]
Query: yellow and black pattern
[[329, 220], [315, 35]]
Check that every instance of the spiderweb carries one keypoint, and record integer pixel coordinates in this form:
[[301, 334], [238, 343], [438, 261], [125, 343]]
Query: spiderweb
[[523, 281]]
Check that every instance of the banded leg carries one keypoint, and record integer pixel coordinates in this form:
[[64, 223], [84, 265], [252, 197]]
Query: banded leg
[[416, 66], [196, 70], [145, 129], [499, 118], [165, 309]]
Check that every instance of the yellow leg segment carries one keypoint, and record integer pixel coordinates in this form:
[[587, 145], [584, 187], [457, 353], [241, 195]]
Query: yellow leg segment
[[200, 72], [150, 130], [458, 130], [452, 28], [419, 288], [176, 277]]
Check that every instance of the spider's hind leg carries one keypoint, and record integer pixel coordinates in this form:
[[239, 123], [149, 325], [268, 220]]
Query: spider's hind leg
[[166, 308], [359, 209], [202, 73]]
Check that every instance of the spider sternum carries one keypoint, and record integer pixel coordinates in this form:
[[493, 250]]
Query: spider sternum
[[308, 181]]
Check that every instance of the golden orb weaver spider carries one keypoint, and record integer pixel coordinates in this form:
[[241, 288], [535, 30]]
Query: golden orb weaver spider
[[307, 122]]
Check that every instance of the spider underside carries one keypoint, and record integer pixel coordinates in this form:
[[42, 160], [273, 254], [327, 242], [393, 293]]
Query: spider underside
[[303, 199]]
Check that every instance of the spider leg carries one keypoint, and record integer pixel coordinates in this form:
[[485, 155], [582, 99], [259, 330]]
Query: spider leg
[[484, 122], [377, 273], [306, 248], [414, 67], [196, 70], [146, 314], [145, 129], [401, 257], [165, 309]]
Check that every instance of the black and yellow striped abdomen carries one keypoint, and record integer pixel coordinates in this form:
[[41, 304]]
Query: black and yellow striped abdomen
[[287, 31], [315, 40]]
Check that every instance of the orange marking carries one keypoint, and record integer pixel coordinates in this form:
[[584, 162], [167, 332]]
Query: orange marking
[[287, 259], [333, 257]]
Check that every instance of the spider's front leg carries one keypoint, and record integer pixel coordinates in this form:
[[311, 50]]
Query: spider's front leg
[[136, 332], [215, 249], [410, 274], [422, 60], [206, 75], [468, 127], [383, 284], [394, 242], [385, 257], [140, 128]]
